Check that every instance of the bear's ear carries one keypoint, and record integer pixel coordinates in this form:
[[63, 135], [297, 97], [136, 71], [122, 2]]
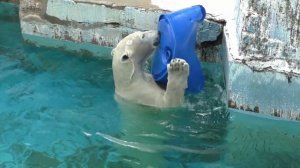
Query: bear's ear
[[112, 52], [125, 58]]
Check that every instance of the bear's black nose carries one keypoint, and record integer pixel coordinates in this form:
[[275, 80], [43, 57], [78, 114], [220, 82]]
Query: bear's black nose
[[156, 42]]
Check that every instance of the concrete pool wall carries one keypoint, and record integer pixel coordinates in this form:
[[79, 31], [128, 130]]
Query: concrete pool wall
[[263, 74]]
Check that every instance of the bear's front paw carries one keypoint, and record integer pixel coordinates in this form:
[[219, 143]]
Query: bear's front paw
[[178, 66], [178, 72]]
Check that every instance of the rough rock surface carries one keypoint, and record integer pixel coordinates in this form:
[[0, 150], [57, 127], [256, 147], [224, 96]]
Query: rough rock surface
[[269, 35], [265, 73]]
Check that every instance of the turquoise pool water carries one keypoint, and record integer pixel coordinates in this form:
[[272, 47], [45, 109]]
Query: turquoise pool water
[[57, 109]]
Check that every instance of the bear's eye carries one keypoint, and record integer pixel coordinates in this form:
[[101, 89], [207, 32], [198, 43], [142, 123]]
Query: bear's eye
[[143, 36], [125, 58]]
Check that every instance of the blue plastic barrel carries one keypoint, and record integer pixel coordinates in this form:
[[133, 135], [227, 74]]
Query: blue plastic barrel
[[178, 40]]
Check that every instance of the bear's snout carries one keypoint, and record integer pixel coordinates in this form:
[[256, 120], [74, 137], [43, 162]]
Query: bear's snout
[[156, 41]]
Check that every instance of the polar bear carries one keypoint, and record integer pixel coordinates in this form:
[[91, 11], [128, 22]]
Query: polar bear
[[134, 84]]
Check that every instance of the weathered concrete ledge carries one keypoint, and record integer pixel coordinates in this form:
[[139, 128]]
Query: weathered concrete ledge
[[102, 23]]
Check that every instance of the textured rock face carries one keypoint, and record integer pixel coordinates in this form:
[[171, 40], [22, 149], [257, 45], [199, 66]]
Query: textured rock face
[[269, 35], [265, 72]]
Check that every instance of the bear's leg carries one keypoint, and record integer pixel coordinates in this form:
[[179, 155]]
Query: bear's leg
[[178, 72]]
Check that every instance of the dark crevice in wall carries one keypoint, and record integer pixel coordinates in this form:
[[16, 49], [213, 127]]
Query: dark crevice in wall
[[11, 1], [220, 21], [9, 14], [211, 51], [106, 4], [217, 42], [81, 25], [113, 24], [55, 20]]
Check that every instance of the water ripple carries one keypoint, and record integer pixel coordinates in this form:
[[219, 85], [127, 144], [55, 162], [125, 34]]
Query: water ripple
[[153, 148]]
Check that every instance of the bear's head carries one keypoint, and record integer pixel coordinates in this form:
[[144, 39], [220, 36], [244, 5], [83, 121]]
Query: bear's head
[[131, 53]]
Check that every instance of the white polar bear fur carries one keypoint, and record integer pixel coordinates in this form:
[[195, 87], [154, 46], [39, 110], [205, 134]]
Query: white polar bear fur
[[135, 85]]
